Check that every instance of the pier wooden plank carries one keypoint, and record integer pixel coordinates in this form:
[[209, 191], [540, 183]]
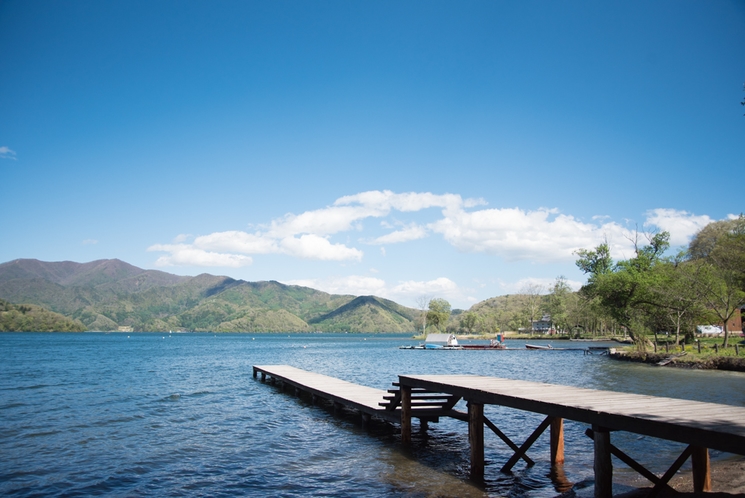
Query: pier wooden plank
[[708, 425], [428, 397], [362, 398]]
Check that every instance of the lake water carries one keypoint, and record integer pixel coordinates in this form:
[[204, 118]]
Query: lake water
[[181, 415]]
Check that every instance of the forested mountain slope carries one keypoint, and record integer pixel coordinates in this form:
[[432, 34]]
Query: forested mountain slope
[[108, 294]]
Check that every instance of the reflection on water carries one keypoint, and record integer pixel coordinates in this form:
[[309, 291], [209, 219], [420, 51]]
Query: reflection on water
[[559, 478], [412, 475], [181, 414]]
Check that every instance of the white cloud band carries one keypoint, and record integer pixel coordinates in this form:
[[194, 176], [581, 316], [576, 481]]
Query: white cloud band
[[541, 236]]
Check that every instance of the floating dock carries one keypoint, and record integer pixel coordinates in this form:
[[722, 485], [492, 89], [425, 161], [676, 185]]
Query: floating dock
[[702, 426]]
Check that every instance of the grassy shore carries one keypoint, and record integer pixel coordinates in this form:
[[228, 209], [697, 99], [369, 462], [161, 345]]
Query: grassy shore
[[532, 337], [705, 353]]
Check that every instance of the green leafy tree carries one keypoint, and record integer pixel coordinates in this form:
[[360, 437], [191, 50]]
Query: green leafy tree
[[438, 313], [532, 304], [422, 303], [469, 321], [677, 301], [558, 303], [717, 254], [623, 289], [596, 262]]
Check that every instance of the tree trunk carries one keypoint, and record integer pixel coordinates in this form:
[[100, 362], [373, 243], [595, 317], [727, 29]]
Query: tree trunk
[[726, 335]]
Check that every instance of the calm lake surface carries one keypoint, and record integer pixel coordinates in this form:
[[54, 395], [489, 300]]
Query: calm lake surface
[[181, 415]]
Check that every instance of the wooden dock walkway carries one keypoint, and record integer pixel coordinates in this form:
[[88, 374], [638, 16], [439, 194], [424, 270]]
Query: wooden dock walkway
[[368, 401], [362, 398], [702, 426]]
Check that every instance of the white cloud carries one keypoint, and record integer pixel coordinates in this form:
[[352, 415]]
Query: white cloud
[[187, 255], [87, 242], [307, 235], [237, 241], [440, 287], [312, 246], [183, 237], [411, 232], [326, 221], [407, 202], [359, 285], [355, 285], [7, 153], [542, 236], [682, 225]]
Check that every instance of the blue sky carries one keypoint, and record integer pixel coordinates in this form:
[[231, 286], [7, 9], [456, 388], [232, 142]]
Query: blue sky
[[454, 149]]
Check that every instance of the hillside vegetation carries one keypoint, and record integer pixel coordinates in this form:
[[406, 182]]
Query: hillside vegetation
[[31, 318], [108, 294]]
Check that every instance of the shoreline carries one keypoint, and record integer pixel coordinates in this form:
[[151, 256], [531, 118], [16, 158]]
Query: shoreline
[[728, 363]]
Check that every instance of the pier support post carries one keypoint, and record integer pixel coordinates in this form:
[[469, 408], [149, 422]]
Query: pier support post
[[557, 440], [365, 420], [603, 466], [701, 469], [476, 438], [405, 414]]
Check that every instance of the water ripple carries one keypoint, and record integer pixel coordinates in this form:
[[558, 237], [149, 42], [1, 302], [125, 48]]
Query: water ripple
[[94, 414]]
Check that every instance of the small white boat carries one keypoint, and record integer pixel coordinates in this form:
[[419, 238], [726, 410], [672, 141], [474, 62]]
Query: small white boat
[[533, 346]]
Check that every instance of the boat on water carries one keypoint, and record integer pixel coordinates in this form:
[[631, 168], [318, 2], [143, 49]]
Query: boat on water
[[497, 343], [437, 341], [449, 341], [534, 346], [549, 347]]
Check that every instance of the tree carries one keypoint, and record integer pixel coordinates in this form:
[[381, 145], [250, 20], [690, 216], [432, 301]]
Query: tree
[[533, 299], [595, 263], [623, 289], [675, 299], [558, 301], [717, 254], [703, 243], [439, 312], [468, 321], [422, 303]]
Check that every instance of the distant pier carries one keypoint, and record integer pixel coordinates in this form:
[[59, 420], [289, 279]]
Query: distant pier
[[702, 426]]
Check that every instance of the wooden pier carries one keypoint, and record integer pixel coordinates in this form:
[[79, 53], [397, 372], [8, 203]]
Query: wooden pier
[[702, 426], [368, 401]]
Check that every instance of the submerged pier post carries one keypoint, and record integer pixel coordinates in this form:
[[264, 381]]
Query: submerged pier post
[[603, 466], [405, 414], [557, 440], [701, 469], [476, 438]]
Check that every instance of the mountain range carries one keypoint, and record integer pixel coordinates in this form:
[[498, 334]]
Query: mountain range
[[110, 294]]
